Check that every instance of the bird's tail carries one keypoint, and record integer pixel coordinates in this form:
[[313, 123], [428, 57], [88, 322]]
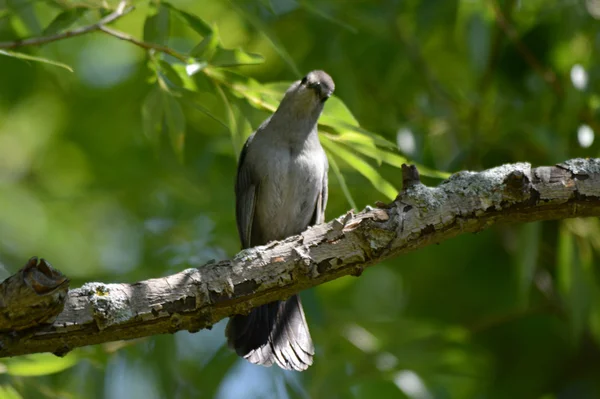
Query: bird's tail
[[273, 333]]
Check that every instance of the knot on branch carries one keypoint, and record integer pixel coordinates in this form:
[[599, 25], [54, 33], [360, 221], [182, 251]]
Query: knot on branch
[[517, 185], [410, 176], [34, 295]]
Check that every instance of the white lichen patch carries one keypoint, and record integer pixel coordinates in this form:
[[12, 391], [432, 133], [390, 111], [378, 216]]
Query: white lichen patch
[[109, 303], [464, 193], [484, 184], [247, 255], [581, 166], [379, 239]]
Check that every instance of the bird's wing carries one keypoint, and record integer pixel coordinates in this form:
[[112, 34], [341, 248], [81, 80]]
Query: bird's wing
[[319, 214], [246, 190]]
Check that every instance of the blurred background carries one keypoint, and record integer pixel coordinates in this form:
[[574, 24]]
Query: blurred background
[[123, 170]]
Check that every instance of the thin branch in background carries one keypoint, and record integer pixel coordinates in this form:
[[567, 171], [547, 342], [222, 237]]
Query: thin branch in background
[[121, 10], [548, 75], [145, 45]]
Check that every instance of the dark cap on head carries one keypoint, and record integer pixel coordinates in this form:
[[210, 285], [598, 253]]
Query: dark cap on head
[[320, 82]]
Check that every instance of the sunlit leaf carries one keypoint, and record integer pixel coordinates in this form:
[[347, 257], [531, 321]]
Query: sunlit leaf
[[338, 117], [336, 111], [28, 57], [64, 20], [243, 86], [225, 58], [39, 364], [170, 73], [193, 21], [360, 143], [363, 167], [342, 127], [8, 392], [185, 73], [192, 69], [206, 49]]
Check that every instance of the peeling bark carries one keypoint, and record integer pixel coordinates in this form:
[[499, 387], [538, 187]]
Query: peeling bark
[[197, 298]]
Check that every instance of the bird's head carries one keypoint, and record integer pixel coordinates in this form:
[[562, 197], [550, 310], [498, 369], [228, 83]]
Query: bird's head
[[310, 93]]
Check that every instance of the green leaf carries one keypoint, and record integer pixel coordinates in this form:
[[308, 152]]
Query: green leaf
[[309, 6], [342, 127], [231, 121], [36, 59], [8, 392], [64, 20], [39, 364], [237, 57], [340, 177], [190, 98], [170, 73], [365, 145], [245, 87], [206, 49], [25, 10], [528, 245], [336, 111], [572, 282], [192, 69], [175, 120], [337, 117], [360, 143], [193, 21], [156, 26], [152, 114], [185, 73], [271, 38], [362, 167]]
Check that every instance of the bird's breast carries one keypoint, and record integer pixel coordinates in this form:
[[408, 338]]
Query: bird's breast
[[288, 192]]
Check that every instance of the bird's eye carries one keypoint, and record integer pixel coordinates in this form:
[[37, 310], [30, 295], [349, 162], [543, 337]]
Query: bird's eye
[[304, 80]]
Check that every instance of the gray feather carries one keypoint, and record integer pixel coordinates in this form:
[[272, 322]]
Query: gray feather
[[281, 189]]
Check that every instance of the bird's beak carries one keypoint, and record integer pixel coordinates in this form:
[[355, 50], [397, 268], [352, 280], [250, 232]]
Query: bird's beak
[[321, 91]]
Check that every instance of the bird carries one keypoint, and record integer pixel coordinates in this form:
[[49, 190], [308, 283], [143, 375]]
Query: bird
[[280, 190]]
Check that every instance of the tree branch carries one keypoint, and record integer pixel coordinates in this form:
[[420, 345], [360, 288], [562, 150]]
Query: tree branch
[[121, 10], [420, 216], [145, 45]]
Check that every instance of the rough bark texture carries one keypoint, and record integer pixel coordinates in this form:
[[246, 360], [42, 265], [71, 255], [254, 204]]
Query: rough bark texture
[[33, 296], [197, 298]]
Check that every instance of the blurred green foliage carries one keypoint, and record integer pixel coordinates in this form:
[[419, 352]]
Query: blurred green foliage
[[123, 170]]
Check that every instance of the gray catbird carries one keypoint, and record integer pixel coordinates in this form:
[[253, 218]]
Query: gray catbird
[[281, 189]]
